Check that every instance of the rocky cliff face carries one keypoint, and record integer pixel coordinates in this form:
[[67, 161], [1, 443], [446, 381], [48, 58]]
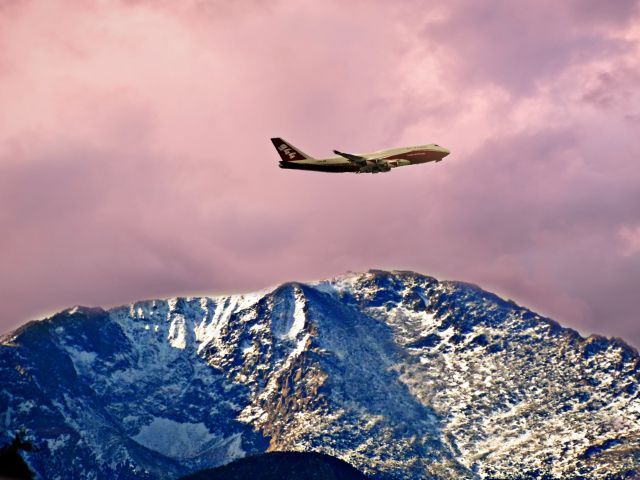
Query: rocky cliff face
[[397, 373]]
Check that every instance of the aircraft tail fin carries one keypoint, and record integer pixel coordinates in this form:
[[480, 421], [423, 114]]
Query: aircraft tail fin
[[287, 152]]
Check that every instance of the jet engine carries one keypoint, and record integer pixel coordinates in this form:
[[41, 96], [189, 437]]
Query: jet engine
[[376, 166]]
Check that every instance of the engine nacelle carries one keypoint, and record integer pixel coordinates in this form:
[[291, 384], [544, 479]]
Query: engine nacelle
[[377, 166], [384, 166]]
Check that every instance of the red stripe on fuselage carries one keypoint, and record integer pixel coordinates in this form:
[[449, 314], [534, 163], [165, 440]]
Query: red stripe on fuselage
[[417, 156]]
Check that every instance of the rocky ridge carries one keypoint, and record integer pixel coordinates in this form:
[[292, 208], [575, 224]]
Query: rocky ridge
[[397, 373]]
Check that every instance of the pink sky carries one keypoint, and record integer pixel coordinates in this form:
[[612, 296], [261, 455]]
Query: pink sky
[[135, 159]]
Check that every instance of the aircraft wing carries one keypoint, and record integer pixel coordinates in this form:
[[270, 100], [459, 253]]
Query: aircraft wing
[[358, 160], [362, 161]]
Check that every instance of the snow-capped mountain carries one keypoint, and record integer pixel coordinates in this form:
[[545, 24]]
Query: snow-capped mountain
[[399, 374]]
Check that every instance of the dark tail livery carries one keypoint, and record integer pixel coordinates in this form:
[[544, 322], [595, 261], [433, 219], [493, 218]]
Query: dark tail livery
[[287, 152]]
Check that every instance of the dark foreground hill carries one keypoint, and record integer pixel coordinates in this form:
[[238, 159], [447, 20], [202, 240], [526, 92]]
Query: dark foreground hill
[[12, 465], [399, 374], [282, 466]]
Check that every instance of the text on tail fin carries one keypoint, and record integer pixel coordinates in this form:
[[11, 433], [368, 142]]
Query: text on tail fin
[[287, 152]]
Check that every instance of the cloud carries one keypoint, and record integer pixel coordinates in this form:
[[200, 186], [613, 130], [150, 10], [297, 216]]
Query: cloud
[[630, 237], [135, 158], [516, 46]]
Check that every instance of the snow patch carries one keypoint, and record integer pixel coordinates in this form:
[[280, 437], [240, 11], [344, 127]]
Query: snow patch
[[301, 345], [174, 439], [299, 317], [207, 333], [234, 450], [172, 303], [178, 332], [81, 358], [248, 300], [55, 443], [26, 407], [428, 321]]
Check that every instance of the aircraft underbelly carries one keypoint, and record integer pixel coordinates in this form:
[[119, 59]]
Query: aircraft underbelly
[[320, 167]]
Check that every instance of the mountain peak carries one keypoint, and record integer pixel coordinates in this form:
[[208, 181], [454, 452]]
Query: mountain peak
[[397, 373]]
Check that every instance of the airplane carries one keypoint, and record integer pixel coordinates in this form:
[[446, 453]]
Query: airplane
[[376, 162]]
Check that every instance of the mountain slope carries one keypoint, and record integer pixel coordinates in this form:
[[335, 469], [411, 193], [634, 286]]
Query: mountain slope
[[397, 373]]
